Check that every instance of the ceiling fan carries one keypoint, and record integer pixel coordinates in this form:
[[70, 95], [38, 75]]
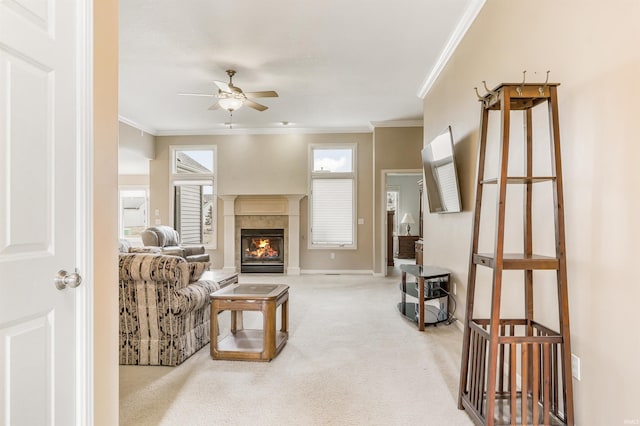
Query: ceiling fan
[[232, 97]]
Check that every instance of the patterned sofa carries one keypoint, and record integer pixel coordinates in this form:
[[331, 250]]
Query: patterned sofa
[[164, 308]]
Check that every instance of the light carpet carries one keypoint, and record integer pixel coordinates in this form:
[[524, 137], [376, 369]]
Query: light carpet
[[351, 359]]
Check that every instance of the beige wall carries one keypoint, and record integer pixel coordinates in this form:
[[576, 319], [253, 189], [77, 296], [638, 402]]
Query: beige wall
[[105, 212], [268, 165], [133, 180], [135, 149], [395, 148], [131, 139], [591, 49]]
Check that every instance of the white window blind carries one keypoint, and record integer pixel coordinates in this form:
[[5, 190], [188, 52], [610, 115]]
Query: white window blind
[[332, 212], [188, 214]]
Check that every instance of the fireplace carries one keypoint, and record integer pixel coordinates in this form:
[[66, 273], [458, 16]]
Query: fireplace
[[262, 250]]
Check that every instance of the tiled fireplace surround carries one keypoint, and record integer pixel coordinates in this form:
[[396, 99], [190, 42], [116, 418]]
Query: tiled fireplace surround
[[264, 212]]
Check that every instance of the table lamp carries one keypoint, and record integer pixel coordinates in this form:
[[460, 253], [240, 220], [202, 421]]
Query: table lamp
[[408, 220]]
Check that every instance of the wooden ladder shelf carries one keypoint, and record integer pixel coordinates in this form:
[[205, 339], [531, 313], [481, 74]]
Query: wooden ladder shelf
[[497, 352]]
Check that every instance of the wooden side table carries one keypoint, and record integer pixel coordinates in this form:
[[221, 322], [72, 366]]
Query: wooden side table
[[407, 246], [248, 344]]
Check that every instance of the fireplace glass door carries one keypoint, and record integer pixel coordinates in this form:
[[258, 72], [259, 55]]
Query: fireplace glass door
[[262, 250]]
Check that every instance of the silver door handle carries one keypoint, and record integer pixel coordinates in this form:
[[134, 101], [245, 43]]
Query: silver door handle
[[64, 280]]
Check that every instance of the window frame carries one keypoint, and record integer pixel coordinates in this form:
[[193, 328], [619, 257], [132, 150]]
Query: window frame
[[353, 175], [177, 179]]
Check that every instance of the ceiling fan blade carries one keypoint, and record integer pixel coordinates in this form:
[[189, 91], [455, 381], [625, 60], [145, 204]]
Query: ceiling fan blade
[[215, 106], [222, 86], [264, 94], [195, 94], [255, 105]]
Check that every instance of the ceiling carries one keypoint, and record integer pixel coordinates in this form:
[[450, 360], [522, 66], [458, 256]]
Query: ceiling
[[337, 66]]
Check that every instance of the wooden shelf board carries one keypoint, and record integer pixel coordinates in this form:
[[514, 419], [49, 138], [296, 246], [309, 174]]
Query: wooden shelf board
[[518, 261], [520, 180]]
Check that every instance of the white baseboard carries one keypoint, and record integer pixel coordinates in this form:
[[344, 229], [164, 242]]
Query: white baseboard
[[293, 271], [336, 272], [459, 325]]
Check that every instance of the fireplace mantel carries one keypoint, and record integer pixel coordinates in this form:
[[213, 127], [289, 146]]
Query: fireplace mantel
[[262, 205]]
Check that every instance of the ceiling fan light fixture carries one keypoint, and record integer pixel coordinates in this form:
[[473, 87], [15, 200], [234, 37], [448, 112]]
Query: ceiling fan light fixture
[[230, 103]]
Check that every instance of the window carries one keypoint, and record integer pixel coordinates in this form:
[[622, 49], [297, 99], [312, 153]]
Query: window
[[333, 189], [134, 211], [193, 182]]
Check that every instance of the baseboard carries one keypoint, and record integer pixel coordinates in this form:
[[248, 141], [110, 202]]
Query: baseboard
[[459, 325], [293, 271], [336, 272]]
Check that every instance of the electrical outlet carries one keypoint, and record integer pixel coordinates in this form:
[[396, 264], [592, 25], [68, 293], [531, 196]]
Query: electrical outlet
[[575, 366], [455, 290], [332, 256]]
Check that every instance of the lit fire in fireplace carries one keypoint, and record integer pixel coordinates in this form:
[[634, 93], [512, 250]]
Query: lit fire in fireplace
[[261, 247]]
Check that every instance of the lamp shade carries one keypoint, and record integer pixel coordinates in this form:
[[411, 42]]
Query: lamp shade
[[230, 103], [408, 219]]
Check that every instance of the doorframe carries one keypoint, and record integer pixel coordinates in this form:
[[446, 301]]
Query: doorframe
[[383, 212], [84, 216]]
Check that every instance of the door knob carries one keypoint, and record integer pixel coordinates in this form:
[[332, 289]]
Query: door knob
[[64, 280]]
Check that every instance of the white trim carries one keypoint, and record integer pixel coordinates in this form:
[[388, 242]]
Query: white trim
[[469, 15], [459, 325], [398, 123], [264, 131], [229, 232], [293, 271], [384, 173], [125, 120], [84, 319], [336, 272]]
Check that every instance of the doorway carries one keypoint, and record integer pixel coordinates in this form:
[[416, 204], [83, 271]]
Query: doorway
[[401, 192]]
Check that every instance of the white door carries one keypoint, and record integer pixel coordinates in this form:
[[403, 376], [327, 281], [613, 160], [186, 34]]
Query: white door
[[42, 64]]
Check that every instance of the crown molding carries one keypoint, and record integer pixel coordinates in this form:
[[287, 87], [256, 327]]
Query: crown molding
[[398, 123], [125, 120], [263, 131], [469, 15]]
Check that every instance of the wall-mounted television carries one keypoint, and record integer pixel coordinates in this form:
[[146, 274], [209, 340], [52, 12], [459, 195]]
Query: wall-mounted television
[[440, 176]]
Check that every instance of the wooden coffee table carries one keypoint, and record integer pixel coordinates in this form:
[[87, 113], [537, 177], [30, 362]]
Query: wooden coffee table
[[249, 344]]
